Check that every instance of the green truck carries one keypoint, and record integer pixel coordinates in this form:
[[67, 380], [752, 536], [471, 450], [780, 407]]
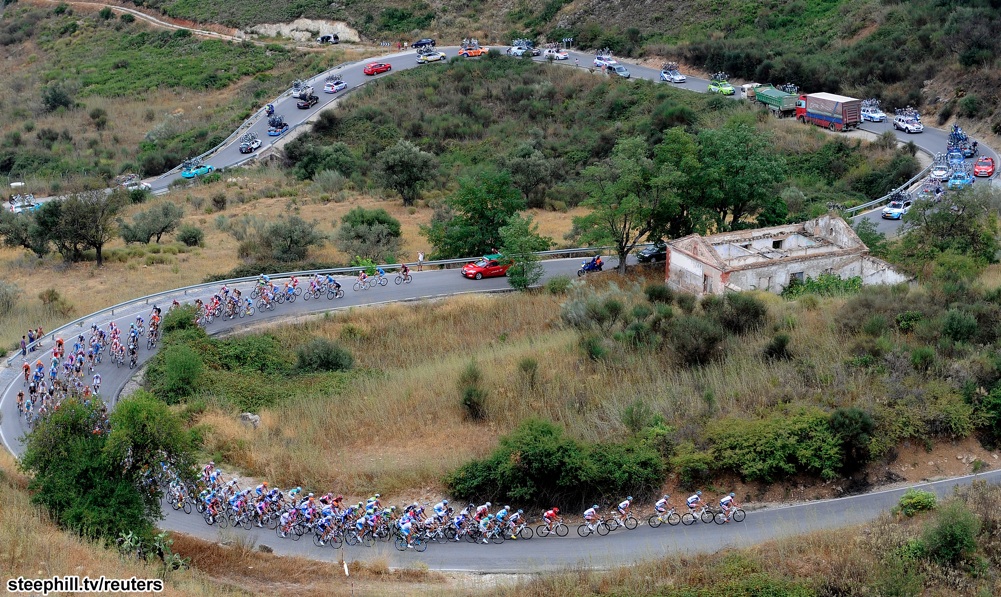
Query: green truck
[[781, 104]]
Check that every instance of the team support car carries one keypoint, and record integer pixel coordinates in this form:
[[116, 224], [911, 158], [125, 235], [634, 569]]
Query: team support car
[[518, 50], [25, 206], [960, 179], [307, 102], [427, 42], [984, 167], [618, 71], [658, 252], [672, 76], [334, 86], [555, 54], [472, 52], [375, 68], [908, 124], [723, 87], [428, 57], [250, 146], [491, 266], [873, 114], [897, 209], [200, 170], [941, 170], [602, 60]]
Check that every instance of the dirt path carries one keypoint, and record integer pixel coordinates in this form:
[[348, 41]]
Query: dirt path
[[216, 31]]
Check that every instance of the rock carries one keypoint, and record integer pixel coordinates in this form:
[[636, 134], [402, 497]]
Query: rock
[[265, 548], [250, 419], [931, 463], [226, 543], [994, 456], [306, 30]]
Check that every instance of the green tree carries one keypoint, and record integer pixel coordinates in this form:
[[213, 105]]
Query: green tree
[[16, 230], [678, 156], [89, 217], [406, 169], [530, 169], [739, 172], [520, 240], [868, 232], [369, 233], [474, 214], [153, 223], [628, 197], [50, 229], [290, 239], [853, 427]]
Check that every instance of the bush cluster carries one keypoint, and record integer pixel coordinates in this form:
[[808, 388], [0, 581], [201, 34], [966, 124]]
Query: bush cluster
[[320, 354]]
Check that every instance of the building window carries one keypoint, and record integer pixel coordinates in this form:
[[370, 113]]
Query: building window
[[776, 244], [797, 277]]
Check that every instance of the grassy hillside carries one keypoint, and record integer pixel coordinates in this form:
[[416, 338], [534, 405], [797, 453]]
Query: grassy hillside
[[90, 94]]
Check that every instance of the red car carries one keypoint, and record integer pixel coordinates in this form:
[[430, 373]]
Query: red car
[[491, 266], [374, 68], [984, 167]]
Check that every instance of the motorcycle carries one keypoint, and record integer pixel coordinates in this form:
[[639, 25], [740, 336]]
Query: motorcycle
[[589, 266], [270, 109]]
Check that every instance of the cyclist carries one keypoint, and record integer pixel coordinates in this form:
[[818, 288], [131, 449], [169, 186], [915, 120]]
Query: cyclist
[[406, 523], [591, 516], [501, 515], [261, 489], [481, 511], [551, 516], [728, 504], [381, 272], [662, 505], [332, 283], [404, 271], [514, 521], [97, 383], [20, 403], [624, 509], [362, 276], [441, 510], [694, 502], [373, 502], [486, 525]]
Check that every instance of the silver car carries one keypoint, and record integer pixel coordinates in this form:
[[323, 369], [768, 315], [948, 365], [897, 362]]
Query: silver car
[[672, 76]]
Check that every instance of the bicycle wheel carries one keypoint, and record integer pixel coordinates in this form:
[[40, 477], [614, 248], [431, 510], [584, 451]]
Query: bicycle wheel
[[307, 295], [245, 522], [208, 519], [720, 518], [673, 519], [296, 532], [707, 516], [398, 279], [297, 291], [186, 507], [526, 533], [317, 537], [603, 528], [654, 521], [368, 540], [223, 521], [383, 280], [631, 522], [688, 518], [278, 530], [290, 298], [738, 515], [584, 530], [562, 530], [497, 538], [420, 545], [542, 530], [336, 540], [280, 298], [351, 538], [408, 279], [357, 286], [175, 504], [401, 544]]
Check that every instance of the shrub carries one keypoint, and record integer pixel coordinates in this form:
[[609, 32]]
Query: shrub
[[969, 106], [191, 236], [9, 294], [907, 320], [777, 447], [922, 358], [538, 465], [740, 313], [219, 201], [696, 340], [952, 538], [853, 427], [659, 293], [180, 318], [990, 410], [320, 354], [687, 301], [916, 500], [558, 284], [693, 469], [959, 326], [529, 367], [182, 367], [778, 348]]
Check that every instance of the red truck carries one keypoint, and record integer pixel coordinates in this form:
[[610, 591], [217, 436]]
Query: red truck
[[834, 112]]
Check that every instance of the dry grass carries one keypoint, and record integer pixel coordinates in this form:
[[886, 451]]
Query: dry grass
[[399, 426]]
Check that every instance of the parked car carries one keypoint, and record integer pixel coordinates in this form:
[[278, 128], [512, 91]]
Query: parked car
[[307, 103], [250, 146], [375, 68], [197, 171], [658, 252], [619, 71], [907, 124], [984, 167], [960, 179], [329, 39], [137, 185], [556, 54], [428, 57], [873, 114], [672, 76], [334, 86], [491, 266], [25, 206], [427, 42], [604, 60], [723, 87], [897, 209]]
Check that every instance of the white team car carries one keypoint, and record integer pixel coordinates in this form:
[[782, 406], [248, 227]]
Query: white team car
[[334, 86], [672, 76], [872, 114], [429, 57], [907, 124], [556, 54], [896, 210], [601, 60]]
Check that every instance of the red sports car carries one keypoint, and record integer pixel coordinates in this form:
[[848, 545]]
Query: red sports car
[[374, 68], [491, 266], [984, 167]]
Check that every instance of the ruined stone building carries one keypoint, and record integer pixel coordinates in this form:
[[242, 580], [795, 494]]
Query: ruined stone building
[[769, 258]]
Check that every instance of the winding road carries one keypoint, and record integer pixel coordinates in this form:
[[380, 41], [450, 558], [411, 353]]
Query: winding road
[[621, 547]]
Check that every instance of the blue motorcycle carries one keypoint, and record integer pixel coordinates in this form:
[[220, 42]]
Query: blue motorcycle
[[594, 265]]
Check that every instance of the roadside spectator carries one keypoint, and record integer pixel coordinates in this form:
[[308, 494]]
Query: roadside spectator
[[420, 261], [38, 336], [24, 347], [31, 338]]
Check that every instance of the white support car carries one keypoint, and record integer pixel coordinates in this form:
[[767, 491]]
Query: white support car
[[556, 54], [896, 209], [872, 114], [672, 76], [907, 124], [602, 60]]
